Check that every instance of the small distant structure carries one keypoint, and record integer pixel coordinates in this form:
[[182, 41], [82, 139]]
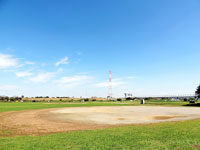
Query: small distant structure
[[109, 97], [172, 99], [128, 95], [93, 97], [142, 101], [175, 99]]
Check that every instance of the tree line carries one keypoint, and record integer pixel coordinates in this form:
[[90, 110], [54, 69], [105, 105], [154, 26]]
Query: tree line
[[10, 99]]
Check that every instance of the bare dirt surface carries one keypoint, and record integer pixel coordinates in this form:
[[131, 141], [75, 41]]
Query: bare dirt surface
[[45, 121]]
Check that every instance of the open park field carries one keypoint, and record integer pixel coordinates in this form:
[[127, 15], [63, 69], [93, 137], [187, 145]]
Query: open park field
[[99, 75], [99, 125]]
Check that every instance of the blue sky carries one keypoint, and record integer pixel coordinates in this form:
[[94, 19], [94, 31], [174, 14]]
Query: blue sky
[[66, 47]]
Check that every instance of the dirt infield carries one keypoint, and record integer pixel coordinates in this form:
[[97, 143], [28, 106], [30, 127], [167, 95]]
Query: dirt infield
[[36, 122]]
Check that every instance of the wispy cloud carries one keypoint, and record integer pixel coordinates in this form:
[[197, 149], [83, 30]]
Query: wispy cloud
[[115, 82], [29, 63], [83, 73], [62, 61], [60, 70], [131, 77], [73, 80], [8, 61], [23, 74], [43, 77], [9, 87]]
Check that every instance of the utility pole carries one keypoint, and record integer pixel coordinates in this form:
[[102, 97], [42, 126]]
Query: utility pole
[[110, 95]]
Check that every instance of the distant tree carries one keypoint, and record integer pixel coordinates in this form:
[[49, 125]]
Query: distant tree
[[6, 98], [12, 99], [197, 92]]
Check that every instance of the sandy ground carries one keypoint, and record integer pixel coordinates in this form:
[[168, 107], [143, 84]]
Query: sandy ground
[[36, 122]]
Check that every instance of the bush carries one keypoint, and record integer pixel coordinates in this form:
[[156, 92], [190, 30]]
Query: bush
[[69, 100], [192, 102], [86, 99], [100, 100], [129, 98], [93, 100], [12, 99], [148, 98], [119, 99]]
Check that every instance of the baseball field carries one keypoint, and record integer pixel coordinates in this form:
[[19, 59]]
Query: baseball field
[[99, 125]]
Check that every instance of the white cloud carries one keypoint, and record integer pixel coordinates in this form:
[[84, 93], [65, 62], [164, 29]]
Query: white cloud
[[42, 77], [115, 82], [8, 61], [62, 61], [131, 77], [72, 84], [9, 87], [60, 70], [23, 74], [83, 73], [29, 63], [73, 80], [76, 78], [20, 65]]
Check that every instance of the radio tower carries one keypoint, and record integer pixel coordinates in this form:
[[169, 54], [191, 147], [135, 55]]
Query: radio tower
[[110, 85]]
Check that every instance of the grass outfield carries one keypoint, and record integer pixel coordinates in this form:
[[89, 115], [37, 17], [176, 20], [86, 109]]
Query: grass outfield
[[41, 105], [166, 135]]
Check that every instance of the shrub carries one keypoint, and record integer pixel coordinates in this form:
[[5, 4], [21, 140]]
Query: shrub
[[86, 99], [192, 102], [130, 98]]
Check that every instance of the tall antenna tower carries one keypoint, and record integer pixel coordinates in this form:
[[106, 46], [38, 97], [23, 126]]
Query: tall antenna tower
[[110, 85]]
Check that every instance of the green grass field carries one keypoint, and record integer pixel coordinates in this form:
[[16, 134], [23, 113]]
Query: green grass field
[[167, 135], [40, 105]]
